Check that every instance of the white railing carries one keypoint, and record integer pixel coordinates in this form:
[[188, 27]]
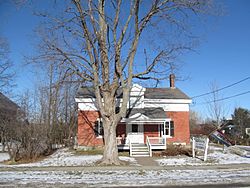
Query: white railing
[[130, 149], [149, 147], [157, 141]]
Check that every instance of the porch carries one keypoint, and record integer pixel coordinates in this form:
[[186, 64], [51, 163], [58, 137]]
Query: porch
[[144, 130], [141, 149]]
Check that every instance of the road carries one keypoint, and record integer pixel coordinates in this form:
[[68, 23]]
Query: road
[[236, 175]]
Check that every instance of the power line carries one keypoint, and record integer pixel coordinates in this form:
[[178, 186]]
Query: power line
[[233, 84], [222, 99]]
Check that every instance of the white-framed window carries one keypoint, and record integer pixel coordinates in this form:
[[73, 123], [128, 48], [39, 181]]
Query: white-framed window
[[168, 129], [99, 128]]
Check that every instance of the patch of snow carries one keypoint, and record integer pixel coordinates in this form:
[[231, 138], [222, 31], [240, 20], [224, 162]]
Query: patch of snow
[[64, 157], [131, 160], [215, 148], [228, 158], [4, 157], [181, 160], [216, 155]]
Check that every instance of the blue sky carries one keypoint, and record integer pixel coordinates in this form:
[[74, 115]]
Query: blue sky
[[222, 57]]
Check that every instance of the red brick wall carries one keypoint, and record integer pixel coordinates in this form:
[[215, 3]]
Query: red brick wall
[[86, 125], [181, 127], [150, 130], [87, 137]]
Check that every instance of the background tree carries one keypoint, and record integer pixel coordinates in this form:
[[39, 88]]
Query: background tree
[[241, 118], [216, 107], [6, 66], [100, 41], [194, 119]]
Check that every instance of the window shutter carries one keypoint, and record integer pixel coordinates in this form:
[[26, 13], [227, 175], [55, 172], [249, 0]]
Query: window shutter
[[96, 128], [101, 131], [172, 128]]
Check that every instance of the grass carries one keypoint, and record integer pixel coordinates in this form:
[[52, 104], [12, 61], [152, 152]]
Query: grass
[[89, 152], [25, 160], [98, 151]]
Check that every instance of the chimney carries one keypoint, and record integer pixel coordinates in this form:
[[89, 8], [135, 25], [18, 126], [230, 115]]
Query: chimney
[[172, 79]]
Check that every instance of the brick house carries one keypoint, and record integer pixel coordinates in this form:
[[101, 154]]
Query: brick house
[[154, 116]]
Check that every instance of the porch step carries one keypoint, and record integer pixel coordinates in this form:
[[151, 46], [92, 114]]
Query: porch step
[[139, 150]]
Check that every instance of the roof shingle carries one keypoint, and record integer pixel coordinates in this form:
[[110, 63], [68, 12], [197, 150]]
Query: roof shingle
[[150, 93]]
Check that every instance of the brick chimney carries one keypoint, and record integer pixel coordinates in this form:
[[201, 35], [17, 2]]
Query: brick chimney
[[172, 80]]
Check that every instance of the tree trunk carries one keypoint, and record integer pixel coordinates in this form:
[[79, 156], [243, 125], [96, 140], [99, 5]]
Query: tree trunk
[[110, 154]]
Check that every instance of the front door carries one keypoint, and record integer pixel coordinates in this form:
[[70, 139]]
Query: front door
[[135, 133]]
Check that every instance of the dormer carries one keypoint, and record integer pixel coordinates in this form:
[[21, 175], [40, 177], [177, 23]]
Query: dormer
[[136, 98]]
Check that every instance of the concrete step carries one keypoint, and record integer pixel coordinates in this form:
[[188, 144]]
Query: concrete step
[[140, 155], [139, 150], [139, 145]]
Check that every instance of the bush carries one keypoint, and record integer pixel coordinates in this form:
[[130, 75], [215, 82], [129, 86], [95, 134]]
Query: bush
[[175, 150]]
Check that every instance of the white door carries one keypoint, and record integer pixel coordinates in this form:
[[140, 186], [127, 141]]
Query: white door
[[135, 133]]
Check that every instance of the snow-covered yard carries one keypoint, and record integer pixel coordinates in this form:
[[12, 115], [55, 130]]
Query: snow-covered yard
[[66, 157], [216, 155], [108, 177]]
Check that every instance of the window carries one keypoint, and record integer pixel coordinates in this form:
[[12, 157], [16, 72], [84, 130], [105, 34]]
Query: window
[[99, 128], [168, 129], [134, 128]]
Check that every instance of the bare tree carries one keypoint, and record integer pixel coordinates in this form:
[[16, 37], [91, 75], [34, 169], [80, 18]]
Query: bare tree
[[194, 119], [99, 42], [6, 66], [216, 107]]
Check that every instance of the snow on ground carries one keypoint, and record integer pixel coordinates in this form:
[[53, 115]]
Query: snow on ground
[[64, 157], [4, 157], [108, 178], [216, 155]]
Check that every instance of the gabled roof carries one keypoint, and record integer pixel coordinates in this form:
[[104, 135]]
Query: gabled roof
[[150, 93], [85, 92], [164, 93]]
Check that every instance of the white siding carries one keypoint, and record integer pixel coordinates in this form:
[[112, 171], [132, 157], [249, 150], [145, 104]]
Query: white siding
[[169, 107], [137, 100]]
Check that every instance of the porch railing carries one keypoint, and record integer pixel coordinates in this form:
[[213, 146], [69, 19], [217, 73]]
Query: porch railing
[[149, 146], [120, 140], [157, 141], [130, 149]]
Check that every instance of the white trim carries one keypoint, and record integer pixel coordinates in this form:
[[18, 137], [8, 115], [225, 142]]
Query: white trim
[[169, 107], [169, 130], [138, 115], [152, 121], [168, 101], [89, 104], [159, 130], [87, 107], [85, 100]]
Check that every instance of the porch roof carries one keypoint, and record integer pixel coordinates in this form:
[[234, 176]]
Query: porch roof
[[152, 113], [145, 115]]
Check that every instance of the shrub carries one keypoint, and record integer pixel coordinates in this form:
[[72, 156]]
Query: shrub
[[175, 150]]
